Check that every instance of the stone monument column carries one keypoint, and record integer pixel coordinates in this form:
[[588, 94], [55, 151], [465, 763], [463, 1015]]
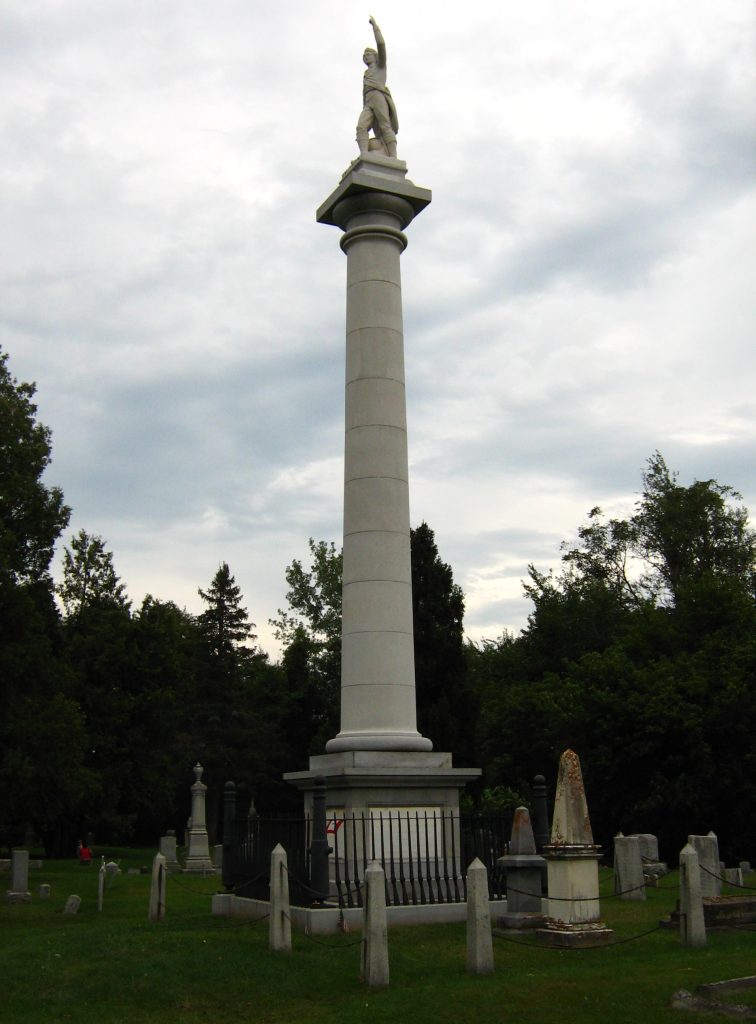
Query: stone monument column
[[198, 849], [373, 204]]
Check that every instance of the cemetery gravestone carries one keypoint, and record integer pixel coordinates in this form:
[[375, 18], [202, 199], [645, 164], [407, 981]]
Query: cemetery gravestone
[[72, 905], [707, 850], [524, 868], [572, 856], [168, 849], [629, 882], [19, 884], [198, 849]]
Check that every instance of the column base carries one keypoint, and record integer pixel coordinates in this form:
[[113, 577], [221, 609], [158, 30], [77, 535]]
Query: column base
[[390, 741]]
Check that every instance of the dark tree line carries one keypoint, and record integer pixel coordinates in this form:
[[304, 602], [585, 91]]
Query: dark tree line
[[639, 654]]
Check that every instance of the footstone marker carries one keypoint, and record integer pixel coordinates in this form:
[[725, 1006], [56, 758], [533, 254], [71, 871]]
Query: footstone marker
[[279, 931], [480, 959], [375, 961], [692, 925], [44, 891], [629, 883]]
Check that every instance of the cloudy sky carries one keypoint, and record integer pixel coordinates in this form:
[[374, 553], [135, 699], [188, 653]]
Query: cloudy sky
[[579, 293]]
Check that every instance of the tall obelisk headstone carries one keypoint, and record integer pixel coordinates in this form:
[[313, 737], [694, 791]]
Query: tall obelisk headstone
[[378, 757]]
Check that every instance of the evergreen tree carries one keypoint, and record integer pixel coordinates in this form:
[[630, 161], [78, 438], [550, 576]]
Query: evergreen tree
[[89, 578], [446, 703], [42, 773], [311, 632], [32, 515]]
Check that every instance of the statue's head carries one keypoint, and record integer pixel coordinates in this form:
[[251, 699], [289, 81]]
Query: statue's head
[[370, 56]]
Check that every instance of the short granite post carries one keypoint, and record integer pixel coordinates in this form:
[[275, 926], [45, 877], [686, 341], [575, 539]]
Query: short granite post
[[44, 891], [629, 883], [375, 960], [156, 910], [707, 848], [19, 886], [692, 924], [279, 930], [198, 851], [480, 958]]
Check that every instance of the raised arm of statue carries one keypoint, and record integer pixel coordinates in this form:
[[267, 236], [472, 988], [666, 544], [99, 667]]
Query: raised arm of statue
[[380, 42]]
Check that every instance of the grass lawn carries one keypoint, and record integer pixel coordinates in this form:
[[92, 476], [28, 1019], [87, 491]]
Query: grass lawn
[[114, 967]]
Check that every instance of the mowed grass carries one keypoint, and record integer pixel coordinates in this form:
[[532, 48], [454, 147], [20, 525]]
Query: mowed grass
[[114, 967]]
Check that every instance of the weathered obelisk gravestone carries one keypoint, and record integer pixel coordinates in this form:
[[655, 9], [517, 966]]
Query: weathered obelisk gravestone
[[524, 869], [573, 905], [378, 759]]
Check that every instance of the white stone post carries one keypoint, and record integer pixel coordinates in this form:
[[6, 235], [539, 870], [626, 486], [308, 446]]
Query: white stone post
[[378, 710], [480, 959], [692, 924], [375, 960], [156, 910], [279, 930]]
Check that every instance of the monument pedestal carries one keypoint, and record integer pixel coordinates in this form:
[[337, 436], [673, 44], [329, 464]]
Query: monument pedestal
[[359, 782]]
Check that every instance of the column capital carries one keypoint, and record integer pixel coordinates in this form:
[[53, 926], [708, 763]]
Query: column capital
[[382, 178]]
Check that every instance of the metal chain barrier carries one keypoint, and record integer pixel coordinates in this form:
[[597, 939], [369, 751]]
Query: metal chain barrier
[[735, 885]]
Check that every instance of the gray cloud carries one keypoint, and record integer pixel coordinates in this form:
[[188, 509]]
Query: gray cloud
[[577, 295]]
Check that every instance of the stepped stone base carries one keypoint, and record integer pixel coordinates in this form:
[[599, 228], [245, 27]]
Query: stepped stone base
[[360, 780], [579, 936]]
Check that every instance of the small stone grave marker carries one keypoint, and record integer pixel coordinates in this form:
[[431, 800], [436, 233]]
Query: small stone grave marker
[[72, 905]]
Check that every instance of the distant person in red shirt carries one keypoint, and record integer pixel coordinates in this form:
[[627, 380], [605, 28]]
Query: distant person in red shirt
[[85, 854]]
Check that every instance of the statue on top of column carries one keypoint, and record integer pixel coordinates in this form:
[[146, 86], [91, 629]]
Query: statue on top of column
[[378, 111]]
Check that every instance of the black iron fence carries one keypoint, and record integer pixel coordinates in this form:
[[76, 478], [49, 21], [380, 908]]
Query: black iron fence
[[424, 854]]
